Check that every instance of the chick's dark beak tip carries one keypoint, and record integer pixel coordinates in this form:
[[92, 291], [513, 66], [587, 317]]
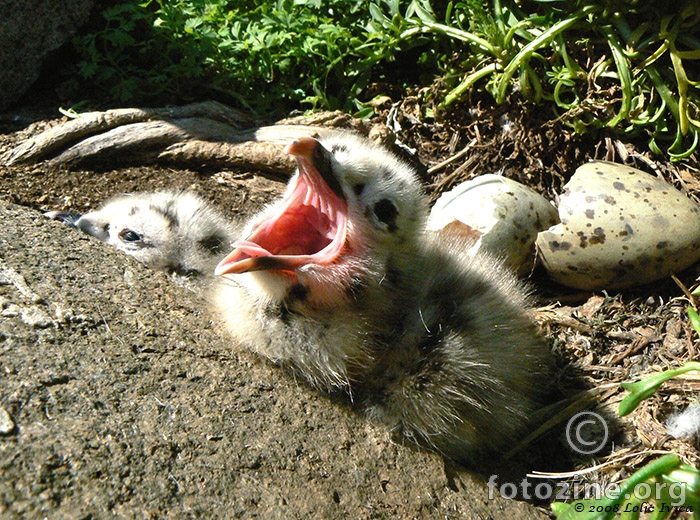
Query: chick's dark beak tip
[[66, 217]]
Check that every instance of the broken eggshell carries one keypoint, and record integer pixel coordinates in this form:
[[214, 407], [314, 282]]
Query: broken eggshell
[[501, 216], [619, 227]]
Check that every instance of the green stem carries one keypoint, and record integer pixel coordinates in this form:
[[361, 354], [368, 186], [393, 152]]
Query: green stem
[[508, 38], [653, 56], [663, 90], [683, 82], [470, 80], [457, 34], [623, 73], [498, 16]]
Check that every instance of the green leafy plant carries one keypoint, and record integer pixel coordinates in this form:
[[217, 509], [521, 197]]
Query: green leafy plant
[[621, 65], [638, 81], [267, 54]]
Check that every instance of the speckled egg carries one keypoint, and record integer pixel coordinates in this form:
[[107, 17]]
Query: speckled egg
[[619, 227], [501, 215]]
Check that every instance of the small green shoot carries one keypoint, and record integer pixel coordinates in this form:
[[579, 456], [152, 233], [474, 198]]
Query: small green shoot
[[694, 319], [641, 390]]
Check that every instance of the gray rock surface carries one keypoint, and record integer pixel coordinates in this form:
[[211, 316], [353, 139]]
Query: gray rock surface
[[29, 30], [127, 402]]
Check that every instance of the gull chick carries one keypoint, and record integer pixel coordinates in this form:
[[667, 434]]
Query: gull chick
[[173, 231], [339, 282]]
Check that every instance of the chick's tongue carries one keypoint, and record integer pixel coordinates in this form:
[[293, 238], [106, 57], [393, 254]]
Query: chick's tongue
[[245, 247]]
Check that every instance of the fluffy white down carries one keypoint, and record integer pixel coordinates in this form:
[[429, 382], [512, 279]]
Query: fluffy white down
[[685, 424]]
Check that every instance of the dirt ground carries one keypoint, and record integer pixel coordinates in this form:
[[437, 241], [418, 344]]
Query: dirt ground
[[126, 401]]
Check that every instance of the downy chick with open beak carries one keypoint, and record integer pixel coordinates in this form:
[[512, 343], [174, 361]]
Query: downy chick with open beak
[[173, 231], [339, 282]]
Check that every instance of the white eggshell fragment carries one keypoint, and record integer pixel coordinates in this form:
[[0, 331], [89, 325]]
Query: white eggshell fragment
[[505, 214], [619, 227]]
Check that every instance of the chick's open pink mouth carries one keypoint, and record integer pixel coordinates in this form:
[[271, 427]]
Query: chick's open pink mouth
[[308, 227]]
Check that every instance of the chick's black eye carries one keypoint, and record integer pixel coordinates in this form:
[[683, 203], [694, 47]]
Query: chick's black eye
[[128, 235], [386, 212]]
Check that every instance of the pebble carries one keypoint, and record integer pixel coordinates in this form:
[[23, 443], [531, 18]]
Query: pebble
[[36, 317], [7, 425]]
